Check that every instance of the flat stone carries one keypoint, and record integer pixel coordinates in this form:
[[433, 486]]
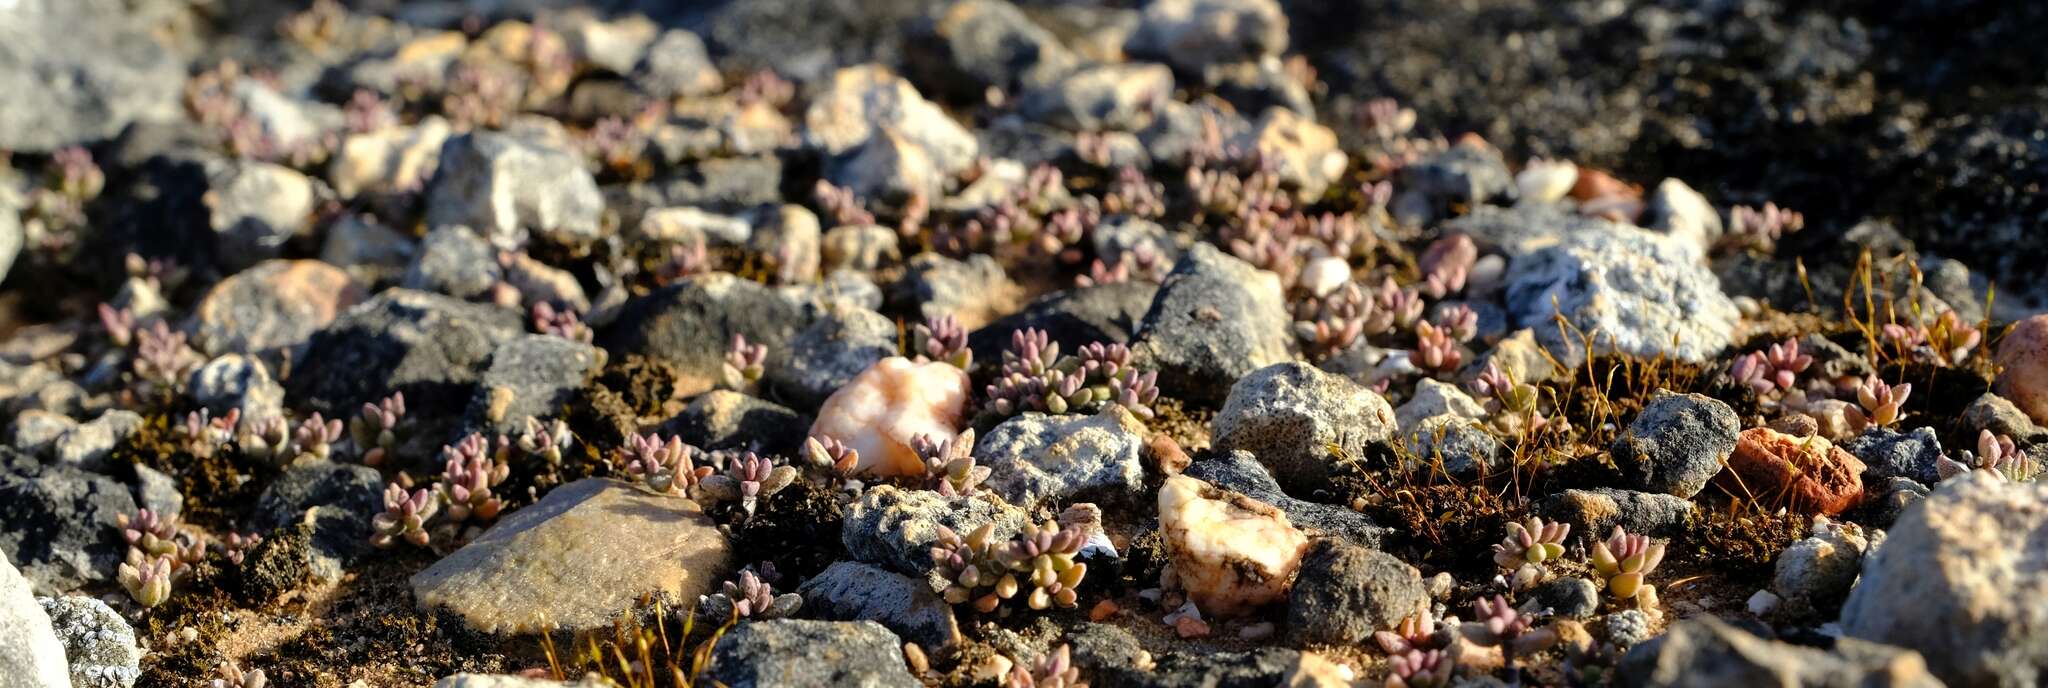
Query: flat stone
[[1036, 458], [790, 653], [1704, 651], [276, 304], [852, 591]]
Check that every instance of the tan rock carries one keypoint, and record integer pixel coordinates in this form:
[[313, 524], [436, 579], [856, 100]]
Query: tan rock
[[1229, 553], [274, 304], [887, 406], [2024, 355]]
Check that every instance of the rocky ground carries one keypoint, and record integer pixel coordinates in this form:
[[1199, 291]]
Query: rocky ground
[[914, 342]]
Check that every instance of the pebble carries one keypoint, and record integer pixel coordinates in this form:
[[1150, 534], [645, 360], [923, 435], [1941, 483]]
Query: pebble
[[99, 644], [1105, 97], [1289, 414], [1193, 34], [275, 305], [509, 188], [1216, 319], [895, 528], [1036, 458], [1229, 553], [2023, 354], [853, 591], [1705, 651], [255, 207], [456, 261], [1677, 444], [691, 324], [530, 376], [1345, 592], [893, 402], [1642, 293], [974, 291], [826, 356], [790, 653], [390, 160]]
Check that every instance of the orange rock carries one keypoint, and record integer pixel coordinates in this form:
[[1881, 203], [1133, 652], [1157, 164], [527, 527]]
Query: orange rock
[[1103, 610], [2024, 355], [1809, 475], [892, 402], [1191, 627], [1170, 457]]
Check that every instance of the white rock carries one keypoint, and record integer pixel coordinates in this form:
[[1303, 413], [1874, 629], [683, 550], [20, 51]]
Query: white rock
[[1230, 553], [1324, 275], [1635, 291], [1546, 181], [30, 654]]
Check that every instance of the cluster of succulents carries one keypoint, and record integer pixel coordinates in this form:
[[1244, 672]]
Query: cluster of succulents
[[1132, 193], [1997, 456], [549, 441], [1771, 371], [1056, 670], [1881, 402], [231, 675], [749, 598], [162, 359], [944, 339], [1624, 562], [744, 364], [1035, 377], [745, 480], [375, 428], [949, 467], [1513, 407], [841, 206], [981, 570], [267, 439], [833, 463], [1947, 341], [664, 466], [1143, 262], [1418, 668], [1416, 632], [560, 322], [1495, 623], [55, 218], [201, 434], [315, 437], [470, 469], [1760, 228], [1446, 264], [405, 517], [160, 553], [1528, 545]]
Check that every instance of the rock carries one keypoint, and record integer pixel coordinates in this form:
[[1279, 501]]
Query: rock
[[1597, 511], [1230, 553], [1677, 444], [1071, 318], [852, 591], [1180, 132], [394, 159], [1289, 414], [58, 526], [615, 46], [531, 376], [861, 103], [255, 208], [1814, 574], [1431, 399], [1036, 458], [1466, 448], [974, 291], [788, 653], [688, 226], [533, 571], [336, 499], [1677, 210], [791, 242], [1469, 174], [2023, 354], [677, 65], [453, 260], [823, 358], [275, 305], [509, 188], [1215, 319], [94, 68], [235, 381], [895, 528], [1345, 592], [1105, 97], [1628, 627], [722, 184], [1240, 472], [1809, 475], [887, 407], [1260, 85], [727, 420], [30, 654], [535, 282], [499, 681], [1896, 495], [87, 445], [35, 431], [1704, 651], [2001, 417], [1193, 34], [973, 45], [1888, 453], [1569, 597], [1305, 153], [860, 247], [11, 238], [1642, 293], [1948, 577], [284, 124], [691, 324], [431, 347], [98, 643]]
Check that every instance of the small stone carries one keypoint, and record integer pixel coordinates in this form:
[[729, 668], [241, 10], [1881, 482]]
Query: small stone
[[1193, 34], [852, 591], [892, 403], [828, 355], [895, 528], [2023, 354], [59, 526], [1705, 651], [337, 499], [614, 46], [509, 188], [1466, 448], [677, 65], [454, 260], [1599, 510], [688, 226], [235, 381], [1259, 85], [1808, 475], [691, 324], [1678, 210], [1628, 627], [974, 291], [1642, 293], [1431, 399], [1953, 580], [1469, 173], [789, 239], [1898, 494], [31, 656], [1345, 592], [1677, 444], [859, 103], [370, 251], [727, 420], [1813, 575], [532, 376], [431, 347], [537, 568], [1762, 603], [390, 160], [1240, 472], [99, 644], [1229, 553], [275, 305], [862, 248], [2002, 417], [1570, 597], [536, 282], [1036, 458], [87, 445], [1305, 152], [1544, 181], [973, 45], [255, 208], [1288, 415], [1216, 319], [1114, 97], [35, 431], [1888, 453], [788, 653], [158, 492]]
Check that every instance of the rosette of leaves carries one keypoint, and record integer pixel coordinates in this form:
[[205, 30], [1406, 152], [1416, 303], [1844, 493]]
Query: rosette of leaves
[[1496, 624], [1056, 670], [1420, 669], [1530, 542], [469, 473], [949, 467], [749, 597], [744, 365], [945, 339], [746, 480], [833, 462], [1624, 562], [1417, 631], [1045, 554], [375, 428], [666, 467], [970, 570], [404, 517], [147, 578]]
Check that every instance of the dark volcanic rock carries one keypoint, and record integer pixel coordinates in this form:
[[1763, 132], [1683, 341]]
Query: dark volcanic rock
[[1676, 444], [81, 69], [852, 591], [1345, 592], [1216, 319], [531, 376], [431, 347], [691, 324], [1239, 472], [724, 419], [58, 526], [788, 653]]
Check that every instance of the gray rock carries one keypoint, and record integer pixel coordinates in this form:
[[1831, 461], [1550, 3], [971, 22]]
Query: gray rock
[[895, 528], [840, 290], [371, 251], [1813, 575], [510, 188], [34, 431], [31, 656], [1640, 293], [1597, 511], [88, 445], [93, 66], [1569, 597], [975, 291], [431, 347], [235, 381], [1677, 444], [723, 184], [454, 260], [1465, 174], [158, 492], [1240, 472], [677, 65], [1889, 453], [286, 123], [1948, 577], [1289, 414], [1896, 494], [1704, 651], [1215, 319], [973, 45], [1678, 210], [688, 226], [727, 420], [1036, 458], [11, 238], [1108, 654], [1431, 399], [531, 376], [503, 681], [789, 237], [1303, 152], [1193, 34], [691, 324], [889, 168], [787, 653], [2001, 416], [393, 161], [615, 46], [1105, 97], [58, 526], [827, 355], [1628, 627], [275, 305], [860, 247], [861, 103], [1179, 132], [341, 498], [98, 643], [852, 591], [255, 208], [1258, 85], [1345, 592], [1466, 448], [1072, 318]]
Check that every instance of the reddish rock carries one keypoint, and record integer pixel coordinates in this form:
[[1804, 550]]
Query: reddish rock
[[2024, 356], [1805, 474]]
